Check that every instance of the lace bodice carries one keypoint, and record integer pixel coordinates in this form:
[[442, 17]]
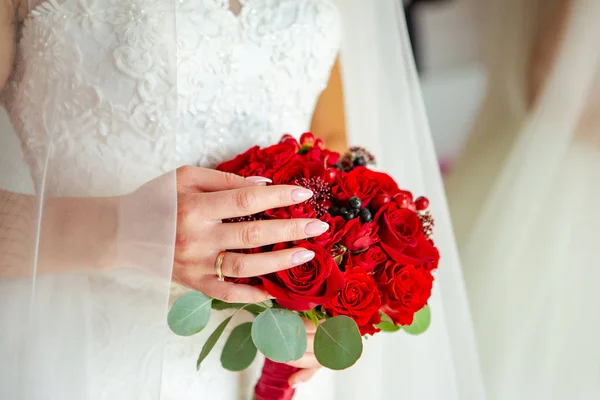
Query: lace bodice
[[109, 94], [137, 88]]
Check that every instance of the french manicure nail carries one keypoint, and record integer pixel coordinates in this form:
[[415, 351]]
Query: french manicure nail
[[258, 179], [299, 195], [302, 256], [315, 228]]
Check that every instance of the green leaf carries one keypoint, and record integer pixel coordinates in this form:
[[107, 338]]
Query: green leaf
[[239, 350], [338, 344], [387, 325], [280, 335], [190, 314], [420, 323], [211, 341], [254, 309]]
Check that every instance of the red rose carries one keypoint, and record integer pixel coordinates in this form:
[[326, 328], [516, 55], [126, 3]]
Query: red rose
[[298, 169], [359, 300], [370, 259], [301, 210], [359, 236], [234, 166], [365, 184], [303, 287], [272, 158], [405, 289], [402, 238], [333, 235], [326, 157]]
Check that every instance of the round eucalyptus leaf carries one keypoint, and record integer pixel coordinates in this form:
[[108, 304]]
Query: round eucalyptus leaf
[[420, 323], [338, 344], [239, 350], [387, 325], [190, 314], [279, 334], [211, 341]]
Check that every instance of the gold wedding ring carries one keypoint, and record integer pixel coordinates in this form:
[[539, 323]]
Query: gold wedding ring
[[219, 266]]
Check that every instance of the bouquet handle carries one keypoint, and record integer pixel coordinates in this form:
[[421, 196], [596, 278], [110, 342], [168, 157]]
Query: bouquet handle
[[273, 383]]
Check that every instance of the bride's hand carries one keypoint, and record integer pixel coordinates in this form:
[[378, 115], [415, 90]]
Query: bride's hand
[[205, 198]]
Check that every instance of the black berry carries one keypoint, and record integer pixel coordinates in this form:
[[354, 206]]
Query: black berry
[[351, 215], [360, 162], [334, 210], [344, 213], [365, 215], [355, 203]]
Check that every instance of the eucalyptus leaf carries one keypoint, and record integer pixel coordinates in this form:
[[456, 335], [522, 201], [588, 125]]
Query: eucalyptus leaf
[[280, 335], [239, 350], [387, 325], [338, 344], [211, 341], [190, 314], [420, 323]]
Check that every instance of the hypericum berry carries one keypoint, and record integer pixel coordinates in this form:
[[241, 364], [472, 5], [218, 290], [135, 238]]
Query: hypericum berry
[[319, 144], [365, 215], [403, 200], [307, 139], [351, 215], [379, 201], [360, 162], [355, 203], [344, 213], [330, 175], [422, 203], [286, 136], [334, 211]]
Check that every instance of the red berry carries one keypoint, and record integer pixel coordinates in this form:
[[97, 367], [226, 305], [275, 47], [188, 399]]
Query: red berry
[[284, 137], [330, 175], [307, 138], [422, 203], [379, 201], [319, 144], [403, 200], [412, 207]]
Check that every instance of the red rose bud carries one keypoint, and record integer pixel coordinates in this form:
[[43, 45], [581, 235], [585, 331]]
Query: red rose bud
[[307, 139], [379, 201], [303, 287], [330, 175], [359, 300], [319, 144], [357, 236], [422, 203], [369, 260]]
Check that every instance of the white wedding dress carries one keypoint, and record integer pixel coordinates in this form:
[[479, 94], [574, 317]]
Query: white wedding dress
[[245, 75]]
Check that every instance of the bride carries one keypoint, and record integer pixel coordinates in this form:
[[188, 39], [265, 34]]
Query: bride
[[524, 199], [114, 103]]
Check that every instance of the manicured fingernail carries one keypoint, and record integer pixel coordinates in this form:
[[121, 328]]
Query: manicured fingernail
[[315, 228], [300, 195], [258, 179], [302, 256]]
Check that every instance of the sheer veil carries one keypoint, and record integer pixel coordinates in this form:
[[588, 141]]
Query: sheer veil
[[518, 195], [55, 330], [385, 113]]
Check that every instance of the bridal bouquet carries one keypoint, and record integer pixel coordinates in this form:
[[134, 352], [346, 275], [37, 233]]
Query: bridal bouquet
[[372, 269]]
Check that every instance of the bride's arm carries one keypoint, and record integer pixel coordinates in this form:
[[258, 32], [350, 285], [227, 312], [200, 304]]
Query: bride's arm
[[7, 39], [328, 120], [75, 232]]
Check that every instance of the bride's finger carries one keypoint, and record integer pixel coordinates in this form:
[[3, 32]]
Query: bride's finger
[[247, 201], [237, 265], [308, 360], [197, 179], [249, 235], [302, 376], [227, 291]]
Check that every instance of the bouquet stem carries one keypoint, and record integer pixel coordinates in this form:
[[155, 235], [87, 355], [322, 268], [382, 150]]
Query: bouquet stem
[[273, 383]]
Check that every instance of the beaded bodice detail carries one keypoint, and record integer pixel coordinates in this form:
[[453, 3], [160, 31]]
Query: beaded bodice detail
[[132, 89]]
